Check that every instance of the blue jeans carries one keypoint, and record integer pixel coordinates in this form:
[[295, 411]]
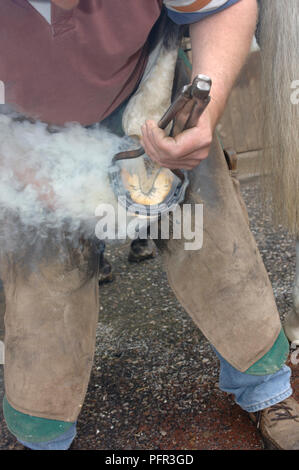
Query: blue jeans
[[62, 442], [252, 393]]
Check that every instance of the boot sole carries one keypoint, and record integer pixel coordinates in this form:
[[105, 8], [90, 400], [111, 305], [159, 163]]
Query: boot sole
[[267, 443]]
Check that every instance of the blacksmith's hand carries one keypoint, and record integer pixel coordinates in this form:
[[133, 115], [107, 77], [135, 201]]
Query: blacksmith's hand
[[186, 150]]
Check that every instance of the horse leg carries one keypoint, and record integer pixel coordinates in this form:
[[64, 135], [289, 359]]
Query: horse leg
[[291, 325]]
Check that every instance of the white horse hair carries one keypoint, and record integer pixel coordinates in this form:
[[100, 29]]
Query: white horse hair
[[279, 40]]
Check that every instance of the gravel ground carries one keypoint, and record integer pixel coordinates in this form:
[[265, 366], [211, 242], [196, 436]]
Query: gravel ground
[[154, 383]]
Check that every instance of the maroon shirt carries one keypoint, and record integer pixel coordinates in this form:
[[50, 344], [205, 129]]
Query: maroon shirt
[[79, 68]]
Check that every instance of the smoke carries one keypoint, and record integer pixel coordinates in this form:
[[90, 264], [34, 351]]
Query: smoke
[[51, 181], [279, 40]]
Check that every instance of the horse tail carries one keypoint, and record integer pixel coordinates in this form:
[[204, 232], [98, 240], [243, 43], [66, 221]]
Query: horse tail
[[278, 35]]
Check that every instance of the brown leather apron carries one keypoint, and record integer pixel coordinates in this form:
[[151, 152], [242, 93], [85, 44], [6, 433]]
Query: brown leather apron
[[50, 327], [224, 285]]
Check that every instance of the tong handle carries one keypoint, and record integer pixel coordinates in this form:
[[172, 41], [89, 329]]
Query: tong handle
[[178, 104], [199, 93]]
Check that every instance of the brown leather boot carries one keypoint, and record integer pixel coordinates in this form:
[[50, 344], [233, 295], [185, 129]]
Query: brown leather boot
[[279, 425]]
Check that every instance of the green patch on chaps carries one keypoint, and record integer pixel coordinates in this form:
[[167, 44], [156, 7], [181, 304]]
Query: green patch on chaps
[[274, 359], [31, 428]]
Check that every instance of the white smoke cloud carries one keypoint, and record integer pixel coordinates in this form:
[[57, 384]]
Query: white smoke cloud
[[70, 163]]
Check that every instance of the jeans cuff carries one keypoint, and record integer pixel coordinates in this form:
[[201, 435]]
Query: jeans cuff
[[62, 442], [272, 401]]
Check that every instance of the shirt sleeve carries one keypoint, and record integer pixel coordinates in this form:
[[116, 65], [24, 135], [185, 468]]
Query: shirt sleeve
[[191, 11]]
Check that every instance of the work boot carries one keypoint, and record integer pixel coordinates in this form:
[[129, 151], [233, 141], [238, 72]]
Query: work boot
[[141, 250], [279, 425]]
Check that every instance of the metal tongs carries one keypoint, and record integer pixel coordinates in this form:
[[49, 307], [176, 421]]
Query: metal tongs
[[191, 102], [184, 113]]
